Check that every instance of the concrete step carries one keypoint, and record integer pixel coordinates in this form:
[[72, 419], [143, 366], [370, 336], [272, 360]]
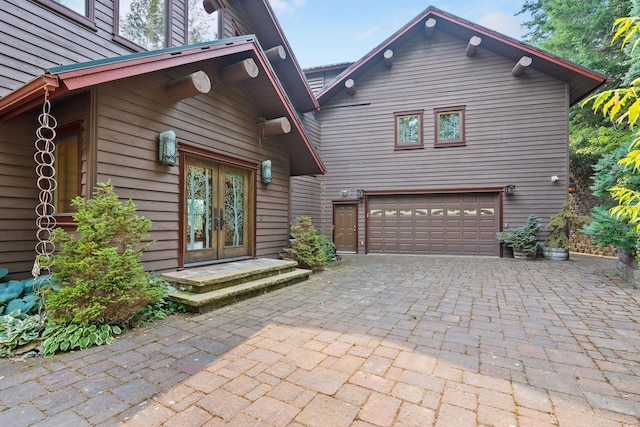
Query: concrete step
[[207, 301], [209, 278]]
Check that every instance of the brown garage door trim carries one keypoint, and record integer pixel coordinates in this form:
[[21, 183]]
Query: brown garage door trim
[[496, 190]]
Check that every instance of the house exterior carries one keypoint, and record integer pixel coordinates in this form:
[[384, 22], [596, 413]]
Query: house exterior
[[442, 135], [120, 100]]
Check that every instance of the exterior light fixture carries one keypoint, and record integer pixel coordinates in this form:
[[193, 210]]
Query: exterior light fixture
[[266, 172], [572, 187], [167, 148], [360, 193], [509, 190]]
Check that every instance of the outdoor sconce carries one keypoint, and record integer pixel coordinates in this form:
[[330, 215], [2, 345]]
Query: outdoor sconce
[[509, 190], [360, 193], [167, 148], [266, 172], [572, 187]]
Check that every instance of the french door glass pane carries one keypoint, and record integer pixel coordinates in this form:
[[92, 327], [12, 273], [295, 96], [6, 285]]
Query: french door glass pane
[[199, 188], [234, 211]]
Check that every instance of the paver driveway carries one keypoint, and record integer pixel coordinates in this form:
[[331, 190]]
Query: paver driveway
[[375, 340]]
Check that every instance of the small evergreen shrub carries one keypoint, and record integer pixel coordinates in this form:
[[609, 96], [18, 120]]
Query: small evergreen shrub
[[98, 270], [559, 225], [309, 249], [523, 239]]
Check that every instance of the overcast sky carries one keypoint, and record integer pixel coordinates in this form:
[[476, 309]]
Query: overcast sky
[[323, 32]]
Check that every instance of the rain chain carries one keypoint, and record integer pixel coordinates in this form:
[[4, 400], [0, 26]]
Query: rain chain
[[45, 220]]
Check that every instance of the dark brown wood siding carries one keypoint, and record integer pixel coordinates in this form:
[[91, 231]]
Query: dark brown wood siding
[[516, 129], [306, 191], [132, 113]]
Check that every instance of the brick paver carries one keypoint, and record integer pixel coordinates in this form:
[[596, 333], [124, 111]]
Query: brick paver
[[372, 341]]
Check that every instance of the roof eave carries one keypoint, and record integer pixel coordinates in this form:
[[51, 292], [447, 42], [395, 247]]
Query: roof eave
[[331, 89], [28, 96]]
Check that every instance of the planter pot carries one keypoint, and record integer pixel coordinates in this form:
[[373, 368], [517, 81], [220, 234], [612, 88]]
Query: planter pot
[[522, 255], [556, 254]]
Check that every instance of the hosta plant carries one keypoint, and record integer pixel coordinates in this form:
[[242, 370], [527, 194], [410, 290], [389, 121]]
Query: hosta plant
[[76, 337], [18, 329]]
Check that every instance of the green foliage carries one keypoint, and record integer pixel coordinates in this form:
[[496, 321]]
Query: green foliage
[[3, 272], [622, 106], [559, 26], [310, 250], [76, 337], [18, 329], [160, 309], [524, 238], [559, 225], [98, 269], [19, 295], [605, 228]]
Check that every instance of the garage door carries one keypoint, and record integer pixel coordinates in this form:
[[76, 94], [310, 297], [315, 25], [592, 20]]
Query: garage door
[[460, 224]]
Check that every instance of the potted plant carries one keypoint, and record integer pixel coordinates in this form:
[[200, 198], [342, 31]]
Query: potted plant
[[557, 245], [523, 240]]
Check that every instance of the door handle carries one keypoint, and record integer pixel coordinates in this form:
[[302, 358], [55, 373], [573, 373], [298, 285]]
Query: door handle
[[221, 218], [215, 218]]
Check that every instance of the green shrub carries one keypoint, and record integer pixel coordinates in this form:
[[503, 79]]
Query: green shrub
[[159, 309], [604, 228], [309, 249], [523, 239], [98, 270], [559, 225]]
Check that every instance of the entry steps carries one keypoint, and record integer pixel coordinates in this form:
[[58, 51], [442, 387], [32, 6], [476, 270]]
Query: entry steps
[[206, 288]]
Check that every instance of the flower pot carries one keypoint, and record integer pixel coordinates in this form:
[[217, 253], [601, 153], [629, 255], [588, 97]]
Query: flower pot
[[556, 254], [523, 255]]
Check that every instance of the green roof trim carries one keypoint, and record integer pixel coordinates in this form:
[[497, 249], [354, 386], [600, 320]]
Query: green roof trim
[[145, 54]]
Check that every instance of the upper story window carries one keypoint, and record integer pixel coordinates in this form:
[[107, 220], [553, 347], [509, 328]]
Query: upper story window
[[201, 26], [82, 11], [408, 130], [449, 124], [143, 22]]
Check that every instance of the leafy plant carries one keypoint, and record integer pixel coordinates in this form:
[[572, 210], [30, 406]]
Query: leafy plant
[[306, 247], [76, 337], [559, 224], [19, 295], [160, 309], [524, 238], [98, 269], [604, 228], [18, 329]]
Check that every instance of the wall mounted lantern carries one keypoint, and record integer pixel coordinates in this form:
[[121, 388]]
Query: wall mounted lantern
[[509, 190], [572, 187], [266, 172], [360, 193], [167, 148]]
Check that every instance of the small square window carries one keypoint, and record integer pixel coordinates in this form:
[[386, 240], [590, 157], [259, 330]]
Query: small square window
[[144, 24], [449, 123], [408, 130]]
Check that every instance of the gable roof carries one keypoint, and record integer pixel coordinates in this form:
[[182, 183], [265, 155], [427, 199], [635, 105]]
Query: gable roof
[[268, 95], [267, 28], [581, 81]]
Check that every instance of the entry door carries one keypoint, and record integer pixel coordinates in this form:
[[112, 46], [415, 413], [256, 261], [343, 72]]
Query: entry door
[[346, 227], [217, 211]]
